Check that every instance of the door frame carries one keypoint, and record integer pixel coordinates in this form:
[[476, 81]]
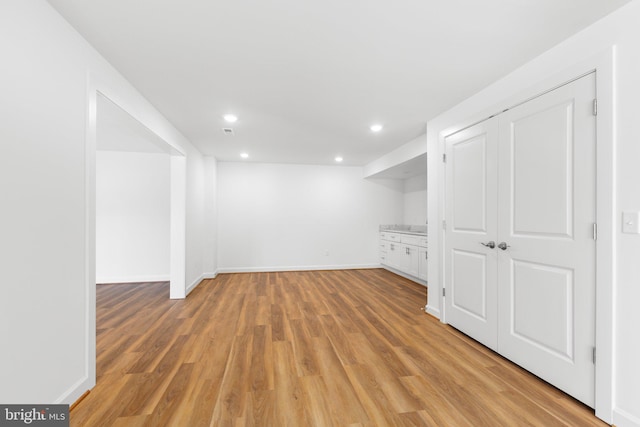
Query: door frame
[[603, 64], [95, 86]]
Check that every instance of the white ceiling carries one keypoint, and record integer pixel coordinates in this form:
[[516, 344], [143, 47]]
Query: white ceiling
[[307, 79]]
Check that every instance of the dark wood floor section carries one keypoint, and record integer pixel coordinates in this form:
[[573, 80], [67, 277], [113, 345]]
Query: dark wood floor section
[[335, 348]]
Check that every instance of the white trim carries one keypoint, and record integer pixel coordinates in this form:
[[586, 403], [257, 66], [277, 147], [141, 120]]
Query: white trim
[[622, 418], [110, 90], [604, 65], [133, 279], [606, 243], [75, 391], [89, 379], [198, 281], [298, 268], [432, 311]]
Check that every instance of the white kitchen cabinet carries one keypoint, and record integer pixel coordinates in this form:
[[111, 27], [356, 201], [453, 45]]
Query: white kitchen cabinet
[[404, 253]]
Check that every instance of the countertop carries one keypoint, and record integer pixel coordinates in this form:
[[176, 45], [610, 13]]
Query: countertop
[[416, 230]]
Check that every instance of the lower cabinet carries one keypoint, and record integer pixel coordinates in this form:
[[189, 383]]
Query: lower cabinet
[[403, 253]]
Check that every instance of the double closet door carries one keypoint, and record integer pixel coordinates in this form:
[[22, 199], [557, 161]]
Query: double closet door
[[519, 243]]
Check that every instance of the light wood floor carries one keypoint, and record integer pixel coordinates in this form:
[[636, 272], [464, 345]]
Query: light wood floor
[[336, 348]]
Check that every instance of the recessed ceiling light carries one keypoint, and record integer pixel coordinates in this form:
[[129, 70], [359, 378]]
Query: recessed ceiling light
[[244, 155], [230, 118], [338, 159], [376, 128]]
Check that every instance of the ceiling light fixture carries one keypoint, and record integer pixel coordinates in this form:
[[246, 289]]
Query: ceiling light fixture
[[376, 128], [338, 159], [244, 155], [230, 118]]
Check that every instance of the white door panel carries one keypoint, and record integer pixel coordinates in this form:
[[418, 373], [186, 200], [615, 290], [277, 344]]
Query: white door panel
[[541, 171], [469, 171], [546, 211], [469, 290], [541, 288], [472, 206]]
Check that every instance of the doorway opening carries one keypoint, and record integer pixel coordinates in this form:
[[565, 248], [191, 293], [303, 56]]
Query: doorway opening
[[140, 202], [133, 183]]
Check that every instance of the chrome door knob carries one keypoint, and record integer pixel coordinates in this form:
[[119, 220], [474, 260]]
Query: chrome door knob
[[503, 246], [490, 244]]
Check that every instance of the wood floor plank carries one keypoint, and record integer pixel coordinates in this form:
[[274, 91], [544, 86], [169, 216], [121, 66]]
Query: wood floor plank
[[339, 339], [303, 351], [261, 367], [419, 418], [277, 323], [260, 410], [150, 390], [316, 348], [289, 407], [343, 397], [135, 421], [200, 404], [318, 401], [165, 410], [372, 397], [435, 403], [235, 382]]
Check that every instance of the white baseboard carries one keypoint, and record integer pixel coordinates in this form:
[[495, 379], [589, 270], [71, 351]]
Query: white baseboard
[[199, 280], [134, 279], [433, 311], [622, 418], [75, 391], [297, 268]]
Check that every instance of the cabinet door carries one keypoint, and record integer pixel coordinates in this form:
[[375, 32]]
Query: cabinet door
[[413, 260], [394, 254], [383, 250], [401, 258], [422, 263]]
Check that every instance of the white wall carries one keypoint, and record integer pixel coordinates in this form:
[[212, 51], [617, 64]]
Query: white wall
[[48, 79], [281, 216], [195, 220], [210, 226], [622, 30], [132, 217], [415, 200]]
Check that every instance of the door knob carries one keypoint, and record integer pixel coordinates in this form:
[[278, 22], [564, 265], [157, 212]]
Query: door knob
[[503, 246], [490, 244]]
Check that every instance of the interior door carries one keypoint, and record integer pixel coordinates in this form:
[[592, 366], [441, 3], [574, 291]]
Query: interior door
[[470, 254], [546, 215]]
